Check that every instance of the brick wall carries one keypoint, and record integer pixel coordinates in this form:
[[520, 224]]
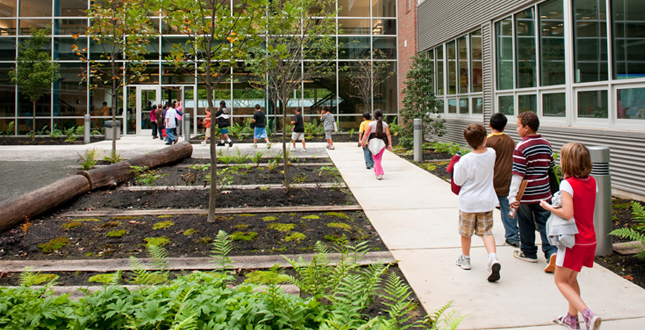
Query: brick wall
[[407, 42]]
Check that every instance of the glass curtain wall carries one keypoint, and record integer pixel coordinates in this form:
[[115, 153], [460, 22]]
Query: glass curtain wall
[[365, 28]]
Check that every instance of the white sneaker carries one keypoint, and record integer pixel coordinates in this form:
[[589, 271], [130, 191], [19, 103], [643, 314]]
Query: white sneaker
[[304, 150], [292, 149], [379, 177], [464, 263], [203, 142], [269, 145], [254, 146], [493, 269]]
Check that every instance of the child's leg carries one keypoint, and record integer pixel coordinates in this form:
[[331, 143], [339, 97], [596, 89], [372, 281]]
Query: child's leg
[[378, 169], [303, 144], [567, 282], [465, 245], [489, 243]]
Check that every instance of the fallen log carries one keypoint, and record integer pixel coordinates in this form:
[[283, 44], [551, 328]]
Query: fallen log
[[17, 209]]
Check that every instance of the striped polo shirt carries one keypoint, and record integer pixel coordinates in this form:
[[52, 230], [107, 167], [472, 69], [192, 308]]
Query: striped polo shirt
[[531, 160]]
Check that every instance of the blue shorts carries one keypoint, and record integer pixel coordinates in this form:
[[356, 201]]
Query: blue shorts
[[260, 133], [223, 130]]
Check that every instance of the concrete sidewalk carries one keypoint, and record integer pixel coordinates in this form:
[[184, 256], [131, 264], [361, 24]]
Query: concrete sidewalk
[[416, 215]]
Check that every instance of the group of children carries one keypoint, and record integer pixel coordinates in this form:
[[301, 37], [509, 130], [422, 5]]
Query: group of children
[[166, 119], [224, 122], [516, 177]]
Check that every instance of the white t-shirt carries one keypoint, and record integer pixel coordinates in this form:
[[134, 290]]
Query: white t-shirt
[[474, 173], [566, 186], [171, 118]]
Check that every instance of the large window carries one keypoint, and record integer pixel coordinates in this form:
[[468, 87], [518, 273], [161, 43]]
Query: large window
[[551, 43], [439, 80], [629, 38], [451, 52], [504, 35], [592, 104], [462, 45], [476, 61], [590, 40], [631, 103], [525, 48]]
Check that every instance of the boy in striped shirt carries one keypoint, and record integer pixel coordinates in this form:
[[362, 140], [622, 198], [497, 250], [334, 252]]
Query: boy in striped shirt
[[532, 158]]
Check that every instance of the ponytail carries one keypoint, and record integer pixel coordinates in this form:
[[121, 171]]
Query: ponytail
[[378, 115]]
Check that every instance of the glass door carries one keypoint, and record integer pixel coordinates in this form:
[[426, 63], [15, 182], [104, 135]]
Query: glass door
[[147, 98]]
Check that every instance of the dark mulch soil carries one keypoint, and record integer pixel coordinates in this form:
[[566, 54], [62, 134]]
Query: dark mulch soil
[[621, 214], [427, 155], [294, 160], [240, 175], [89, 239], [21, 140], [109, 199], [628, 267]]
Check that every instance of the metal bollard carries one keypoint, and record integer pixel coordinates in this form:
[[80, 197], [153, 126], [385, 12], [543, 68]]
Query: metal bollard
[[186, 127], [418, 140], [602, 212], [86, 133]]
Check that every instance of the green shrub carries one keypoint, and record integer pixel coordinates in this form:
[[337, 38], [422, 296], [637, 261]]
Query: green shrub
[[89, 158], [284, 227], [266, 277], [54, 244], [242, 236]]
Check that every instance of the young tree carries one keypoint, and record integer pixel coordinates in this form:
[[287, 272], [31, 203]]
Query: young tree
[[121, 31], [299, 46], [35, 71], [364, 74], [218, 37], [420, 102]]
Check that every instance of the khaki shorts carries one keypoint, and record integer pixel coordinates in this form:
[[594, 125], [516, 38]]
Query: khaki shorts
[[297, 136], [208, 132], [480, 224]]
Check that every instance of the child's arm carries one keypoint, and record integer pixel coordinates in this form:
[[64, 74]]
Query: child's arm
[[564, 212], [365, 135], [459, 174]]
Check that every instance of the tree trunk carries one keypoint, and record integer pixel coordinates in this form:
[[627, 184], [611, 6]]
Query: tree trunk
[[114, 127], [33, 122], [213, 147], [284, 145], [17, 209]]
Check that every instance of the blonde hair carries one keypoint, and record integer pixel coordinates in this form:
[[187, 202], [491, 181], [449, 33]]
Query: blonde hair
[[575, 160]]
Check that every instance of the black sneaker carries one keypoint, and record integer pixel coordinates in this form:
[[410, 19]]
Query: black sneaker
[[506, 242], [220, 144], [230, 144]]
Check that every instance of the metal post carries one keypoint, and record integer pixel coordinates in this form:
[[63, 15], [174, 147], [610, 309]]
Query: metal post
[[602, 212], [86, 133], [418, 139], [186, 127]]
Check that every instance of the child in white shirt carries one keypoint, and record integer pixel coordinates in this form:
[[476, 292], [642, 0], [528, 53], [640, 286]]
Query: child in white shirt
[[477, 198]]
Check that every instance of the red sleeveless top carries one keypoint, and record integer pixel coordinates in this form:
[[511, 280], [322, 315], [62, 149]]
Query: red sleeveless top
[[584, 202]]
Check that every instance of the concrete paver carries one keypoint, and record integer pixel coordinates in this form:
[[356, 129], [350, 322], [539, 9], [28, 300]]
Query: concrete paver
[[416, 216]]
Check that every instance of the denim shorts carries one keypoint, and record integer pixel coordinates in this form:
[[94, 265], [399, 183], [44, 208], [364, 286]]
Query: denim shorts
[[223, 130], [328, 134], [260, 133]]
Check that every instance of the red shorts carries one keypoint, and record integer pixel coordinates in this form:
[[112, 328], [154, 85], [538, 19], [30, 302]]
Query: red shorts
[[575, 258]]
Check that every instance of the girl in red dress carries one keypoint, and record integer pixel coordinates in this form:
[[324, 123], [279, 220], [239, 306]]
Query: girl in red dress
[[578, 191]]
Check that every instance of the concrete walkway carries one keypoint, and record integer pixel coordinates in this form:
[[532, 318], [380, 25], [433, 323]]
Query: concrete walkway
[[416, 215]]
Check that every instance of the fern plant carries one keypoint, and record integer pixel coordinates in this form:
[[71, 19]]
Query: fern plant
[[257, 158], [637, 232], [89, 158], [222, 246], [145, 278]]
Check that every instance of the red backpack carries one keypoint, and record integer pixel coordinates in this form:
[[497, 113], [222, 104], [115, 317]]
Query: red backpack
[[455, 188]]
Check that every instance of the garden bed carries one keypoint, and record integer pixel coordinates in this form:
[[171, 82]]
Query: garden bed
[[184, 235], [23, 140], [277, 139]]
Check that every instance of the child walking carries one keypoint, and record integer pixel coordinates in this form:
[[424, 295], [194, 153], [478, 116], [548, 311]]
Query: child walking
[[328, 123], [207, 125], [477, 198], [298, 130], [578, 191], [369, 161], [378, 134]]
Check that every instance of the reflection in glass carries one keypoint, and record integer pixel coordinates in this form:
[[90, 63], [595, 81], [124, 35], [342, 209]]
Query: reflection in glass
[[354, 8], [592, 104], [8, 8], [630, 103], [354, 26], [35, 8], [505, 105], [7, 49], [71, 8], [383, 8], [527, 103], [478, 105], [70, 95], [451, 52], [245, 94], [386, 47], [353, 47], [383, 26], [65, 26], [439, 73], [462, 45], [25, 125], [25, 107], [8, 27], [7, 92], [629, 37], [554, 105], [350, 99], [26, 25], [5, 123], [551, 43], [504, 35], [525, 48], [590, 45], [452, 105], [385, 93], [170, 74], [463, 106], [149, 76], [476, 61]]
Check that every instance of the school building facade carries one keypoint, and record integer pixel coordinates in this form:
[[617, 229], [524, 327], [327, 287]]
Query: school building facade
[[578, 64]]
